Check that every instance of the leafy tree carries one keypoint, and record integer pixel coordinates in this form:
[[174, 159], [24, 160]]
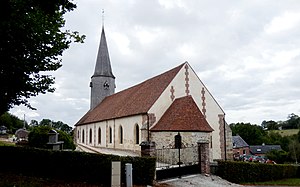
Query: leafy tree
[[270, 125], [278, 156], [294, 150], [45, 122], [252, 134], [67, 139], [31, 43], [12, 122], [34, 123], [39, 137], [293, 122]]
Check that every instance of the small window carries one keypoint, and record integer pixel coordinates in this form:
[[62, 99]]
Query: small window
[[83, 136], [244, 151], [110, 135], [137, 134], [99, 135], [121, 134], [91, 136], [258, 150]]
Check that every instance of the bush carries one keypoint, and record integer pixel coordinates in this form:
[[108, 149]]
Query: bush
[[73, 166], [241, 172], [39, 137]]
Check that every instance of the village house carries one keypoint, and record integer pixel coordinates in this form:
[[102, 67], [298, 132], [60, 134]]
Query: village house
[[239, 147], [262, 150], [152, 112]]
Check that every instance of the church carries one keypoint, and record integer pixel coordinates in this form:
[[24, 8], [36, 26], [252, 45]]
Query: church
[[175, 101]]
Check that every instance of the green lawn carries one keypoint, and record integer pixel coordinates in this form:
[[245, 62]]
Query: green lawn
[[6, 143], [284, 182], [287, 132]]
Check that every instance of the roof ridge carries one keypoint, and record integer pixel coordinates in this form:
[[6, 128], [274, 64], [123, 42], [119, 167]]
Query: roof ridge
[[124, 103]]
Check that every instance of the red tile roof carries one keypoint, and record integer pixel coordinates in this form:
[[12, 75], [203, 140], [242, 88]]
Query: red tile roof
[[183, 115], [135, 100]]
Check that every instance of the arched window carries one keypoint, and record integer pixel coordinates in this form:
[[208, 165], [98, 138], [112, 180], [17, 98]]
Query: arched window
[[99, 135], [137, 134], [83, 136], [110, 135], [121, 134], [91, 137]]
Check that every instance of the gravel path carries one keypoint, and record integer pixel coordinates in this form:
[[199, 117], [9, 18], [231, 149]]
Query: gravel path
[[199, 180]]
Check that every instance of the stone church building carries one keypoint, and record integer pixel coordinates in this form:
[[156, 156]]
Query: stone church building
[[153, 111]]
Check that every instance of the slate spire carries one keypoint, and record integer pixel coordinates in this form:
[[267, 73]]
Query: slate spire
[[103, 66], [103, 81]]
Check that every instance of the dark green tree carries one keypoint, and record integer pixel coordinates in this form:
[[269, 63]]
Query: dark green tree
[[270, 125], [12, 122], [38, 137], [67, 139], [31, 43], [278, 156], [45, 122], [34, 123], [293, 122], [252, 134]]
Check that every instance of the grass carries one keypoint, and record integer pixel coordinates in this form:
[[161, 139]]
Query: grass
[[283, 182], [6, 143], [287, 132]]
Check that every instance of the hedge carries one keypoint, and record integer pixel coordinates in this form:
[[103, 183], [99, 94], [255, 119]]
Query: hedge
[[241, 172], [73, 166]]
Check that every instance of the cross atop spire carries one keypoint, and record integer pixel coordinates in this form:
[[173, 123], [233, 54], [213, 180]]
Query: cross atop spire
[[102, 17]]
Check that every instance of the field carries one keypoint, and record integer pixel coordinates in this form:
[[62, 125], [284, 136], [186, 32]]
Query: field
[[288, 132]]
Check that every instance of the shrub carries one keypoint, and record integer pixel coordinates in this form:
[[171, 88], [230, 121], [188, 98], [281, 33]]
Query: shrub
[[73, 166], [241, 172]]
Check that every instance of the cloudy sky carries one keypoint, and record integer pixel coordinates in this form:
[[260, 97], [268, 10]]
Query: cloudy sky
[[247, 53]]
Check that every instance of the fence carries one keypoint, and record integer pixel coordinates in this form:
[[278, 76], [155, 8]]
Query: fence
[[169, 157]]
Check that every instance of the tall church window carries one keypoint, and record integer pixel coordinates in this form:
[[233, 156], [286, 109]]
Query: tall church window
[[83, 136], [110, 135], [91, 133], [78, 134], [99, 135], [121, 134], [137, 134]]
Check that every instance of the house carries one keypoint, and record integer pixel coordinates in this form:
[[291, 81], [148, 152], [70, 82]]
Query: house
[[3, 129], [239, 147], [261, 150], [152, 112]]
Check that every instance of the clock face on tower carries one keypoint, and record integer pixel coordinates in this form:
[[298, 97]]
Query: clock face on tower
[[106, 85]]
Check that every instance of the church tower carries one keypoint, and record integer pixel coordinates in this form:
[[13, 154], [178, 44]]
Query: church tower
[[103, 81]]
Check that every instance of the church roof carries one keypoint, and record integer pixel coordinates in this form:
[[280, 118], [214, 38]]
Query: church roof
[[183, 115], [135, 100], [103, 67]]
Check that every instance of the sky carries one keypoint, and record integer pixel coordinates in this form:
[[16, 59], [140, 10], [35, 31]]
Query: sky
[[247, 53]]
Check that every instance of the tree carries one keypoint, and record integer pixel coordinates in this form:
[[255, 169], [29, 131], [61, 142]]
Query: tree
[[39, 137], [45, 122], [270, 125], [252, 134], [278, 156], [31, 42], [293, 122], [67, 139], [12, 122]]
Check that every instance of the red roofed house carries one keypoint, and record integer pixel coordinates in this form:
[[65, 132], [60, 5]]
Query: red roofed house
[[152, 111]]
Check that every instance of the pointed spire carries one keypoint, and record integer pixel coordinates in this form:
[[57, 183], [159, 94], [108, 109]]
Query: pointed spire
[[103, 66]]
